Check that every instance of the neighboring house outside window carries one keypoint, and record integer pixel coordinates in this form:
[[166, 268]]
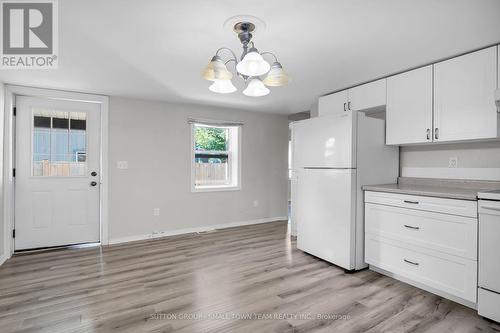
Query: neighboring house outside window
[[215, 158]]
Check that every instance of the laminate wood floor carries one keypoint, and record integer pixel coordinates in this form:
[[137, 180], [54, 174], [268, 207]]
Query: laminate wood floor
[[244, 279]]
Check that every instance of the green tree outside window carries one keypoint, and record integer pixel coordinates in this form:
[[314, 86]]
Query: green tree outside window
[[211, 138]]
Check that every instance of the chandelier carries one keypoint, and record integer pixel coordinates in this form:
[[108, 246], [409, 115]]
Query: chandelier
[[251, 67]]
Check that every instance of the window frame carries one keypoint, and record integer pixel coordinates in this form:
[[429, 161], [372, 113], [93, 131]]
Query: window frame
[[234, 159]]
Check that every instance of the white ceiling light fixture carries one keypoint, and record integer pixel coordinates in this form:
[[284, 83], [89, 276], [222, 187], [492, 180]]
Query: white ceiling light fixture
[[253, 64], [249, 67], [256, 88], [222, 87], [276, 76]]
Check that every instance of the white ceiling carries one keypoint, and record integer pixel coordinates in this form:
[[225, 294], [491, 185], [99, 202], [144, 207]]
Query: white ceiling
[[156, 49]]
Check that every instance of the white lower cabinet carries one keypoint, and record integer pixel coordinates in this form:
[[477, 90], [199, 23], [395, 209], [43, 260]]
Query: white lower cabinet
[[432, 250]]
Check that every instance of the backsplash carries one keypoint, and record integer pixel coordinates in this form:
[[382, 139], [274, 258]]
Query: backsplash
[[474, 161]]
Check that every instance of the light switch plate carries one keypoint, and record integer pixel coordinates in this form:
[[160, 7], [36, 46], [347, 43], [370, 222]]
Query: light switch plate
[[122, 165]]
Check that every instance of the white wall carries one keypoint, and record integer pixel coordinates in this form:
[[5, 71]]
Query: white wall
[[480, 160], [154, 137]]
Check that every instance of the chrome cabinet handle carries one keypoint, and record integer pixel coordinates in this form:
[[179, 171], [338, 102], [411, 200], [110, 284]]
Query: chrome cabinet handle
[[428, 134], [411, 227], [411, 262], [344, 107], [411, 202], [436, 133], [349, 106]]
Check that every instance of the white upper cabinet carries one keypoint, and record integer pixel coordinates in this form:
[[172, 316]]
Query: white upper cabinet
[[409, 107], [464, 105], [367, 96], [364, 97], [333, 104]]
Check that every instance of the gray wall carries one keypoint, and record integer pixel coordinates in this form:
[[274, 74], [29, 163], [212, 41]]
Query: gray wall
[[154, 138], [470, 155]]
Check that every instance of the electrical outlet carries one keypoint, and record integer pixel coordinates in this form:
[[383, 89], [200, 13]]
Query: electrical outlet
[[256, 203], [453, 162], [156, 211], [122, 165]]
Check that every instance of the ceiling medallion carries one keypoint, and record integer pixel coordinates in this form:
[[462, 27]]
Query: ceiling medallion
[[251, 67]]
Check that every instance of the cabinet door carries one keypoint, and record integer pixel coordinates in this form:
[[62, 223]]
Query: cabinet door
[[409, 107], [464, 106], [368, 96], [333, 104]]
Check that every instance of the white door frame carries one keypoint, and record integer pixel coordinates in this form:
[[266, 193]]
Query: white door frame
[[11, 91]]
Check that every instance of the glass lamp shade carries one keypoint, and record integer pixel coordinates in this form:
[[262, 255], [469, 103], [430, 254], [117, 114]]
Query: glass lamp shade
[[253, 64], [276, 76], [222, 87], [216, 70], [256, 88]]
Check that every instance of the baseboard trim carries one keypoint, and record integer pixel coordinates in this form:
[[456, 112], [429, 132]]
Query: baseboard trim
[[176, 232], [3, 259]]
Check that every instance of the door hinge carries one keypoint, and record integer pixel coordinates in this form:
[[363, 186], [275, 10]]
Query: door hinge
[[14, 172], [14, 111], [13, 233]]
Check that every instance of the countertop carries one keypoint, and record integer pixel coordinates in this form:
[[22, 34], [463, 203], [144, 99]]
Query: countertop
[[442, 188]]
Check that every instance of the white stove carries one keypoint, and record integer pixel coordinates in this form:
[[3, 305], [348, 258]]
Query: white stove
[[488, 304]]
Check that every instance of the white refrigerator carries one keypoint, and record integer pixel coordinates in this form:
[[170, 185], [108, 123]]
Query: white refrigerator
[[333, 157]]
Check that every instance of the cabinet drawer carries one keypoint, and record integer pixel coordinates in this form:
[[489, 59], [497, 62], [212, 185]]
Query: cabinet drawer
[[453, 275], [439, 205], [455, 235]]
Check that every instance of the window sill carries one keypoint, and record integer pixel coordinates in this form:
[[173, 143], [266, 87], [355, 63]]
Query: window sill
[[220, 188]]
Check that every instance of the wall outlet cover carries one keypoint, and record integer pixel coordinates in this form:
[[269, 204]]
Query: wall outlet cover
[[122, 165], [156, 211], [453, 162]]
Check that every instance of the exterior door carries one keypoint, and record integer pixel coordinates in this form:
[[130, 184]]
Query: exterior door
[[57, 181]]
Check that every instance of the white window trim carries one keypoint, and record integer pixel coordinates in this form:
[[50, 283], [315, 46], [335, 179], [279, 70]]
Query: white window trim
[[232, 160]]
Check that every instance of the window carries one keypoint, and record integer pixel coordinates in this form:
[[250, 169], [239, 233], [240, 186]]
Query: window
[[59, 144], [215, 157]]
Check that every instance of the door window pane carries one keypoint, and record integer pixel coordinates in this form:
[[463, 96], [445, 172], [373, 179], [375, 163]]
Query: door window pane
[[59, 143]]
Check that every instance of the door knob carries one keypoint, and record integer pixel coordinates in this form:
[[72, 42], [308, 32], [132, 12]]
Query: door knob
[[93, 173], [93, 183]]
